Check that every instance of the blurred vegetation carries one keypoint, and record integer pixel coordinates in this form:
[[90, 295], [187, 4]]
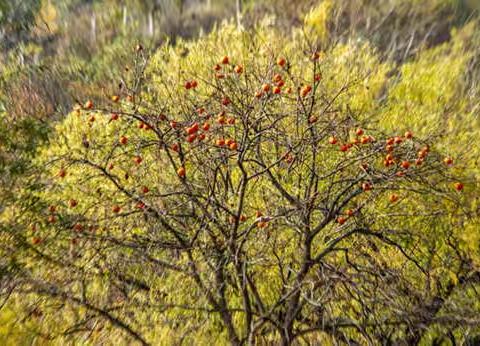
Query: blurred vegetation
[[417, 62]]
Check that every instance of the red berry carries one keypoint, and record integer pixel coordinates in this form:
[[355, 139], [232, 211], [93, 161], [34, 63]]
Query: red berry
[[458, 186], [332, 140], [281, 62]]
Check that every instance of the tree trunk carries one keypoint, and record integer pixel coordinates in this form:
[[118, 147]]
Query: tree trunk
[[286, 336], [93, 24], [239, 13], [150, 23], [125, 16]]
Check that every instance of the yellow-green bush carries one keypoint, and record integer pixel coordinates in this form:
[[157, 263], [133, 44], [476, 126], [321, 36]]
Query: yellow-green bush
[[429, 94]]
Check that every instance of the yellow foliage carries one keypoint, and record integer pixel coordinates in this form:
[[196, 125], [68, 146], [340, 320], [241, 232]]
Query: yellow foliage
[[317, 19], [46, 19], [425, 96]]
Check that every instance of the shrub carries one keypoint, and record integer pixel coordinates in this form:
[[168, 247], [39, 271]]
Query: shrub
[[298, 213]]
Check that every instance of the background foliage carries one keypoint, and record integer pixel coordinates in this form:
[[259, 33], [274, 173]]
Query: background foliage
[[414, 65]]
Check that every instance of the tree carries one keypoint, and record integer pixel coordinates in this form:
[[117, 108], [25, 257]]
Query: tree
[[16, 20], [255, 186]]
